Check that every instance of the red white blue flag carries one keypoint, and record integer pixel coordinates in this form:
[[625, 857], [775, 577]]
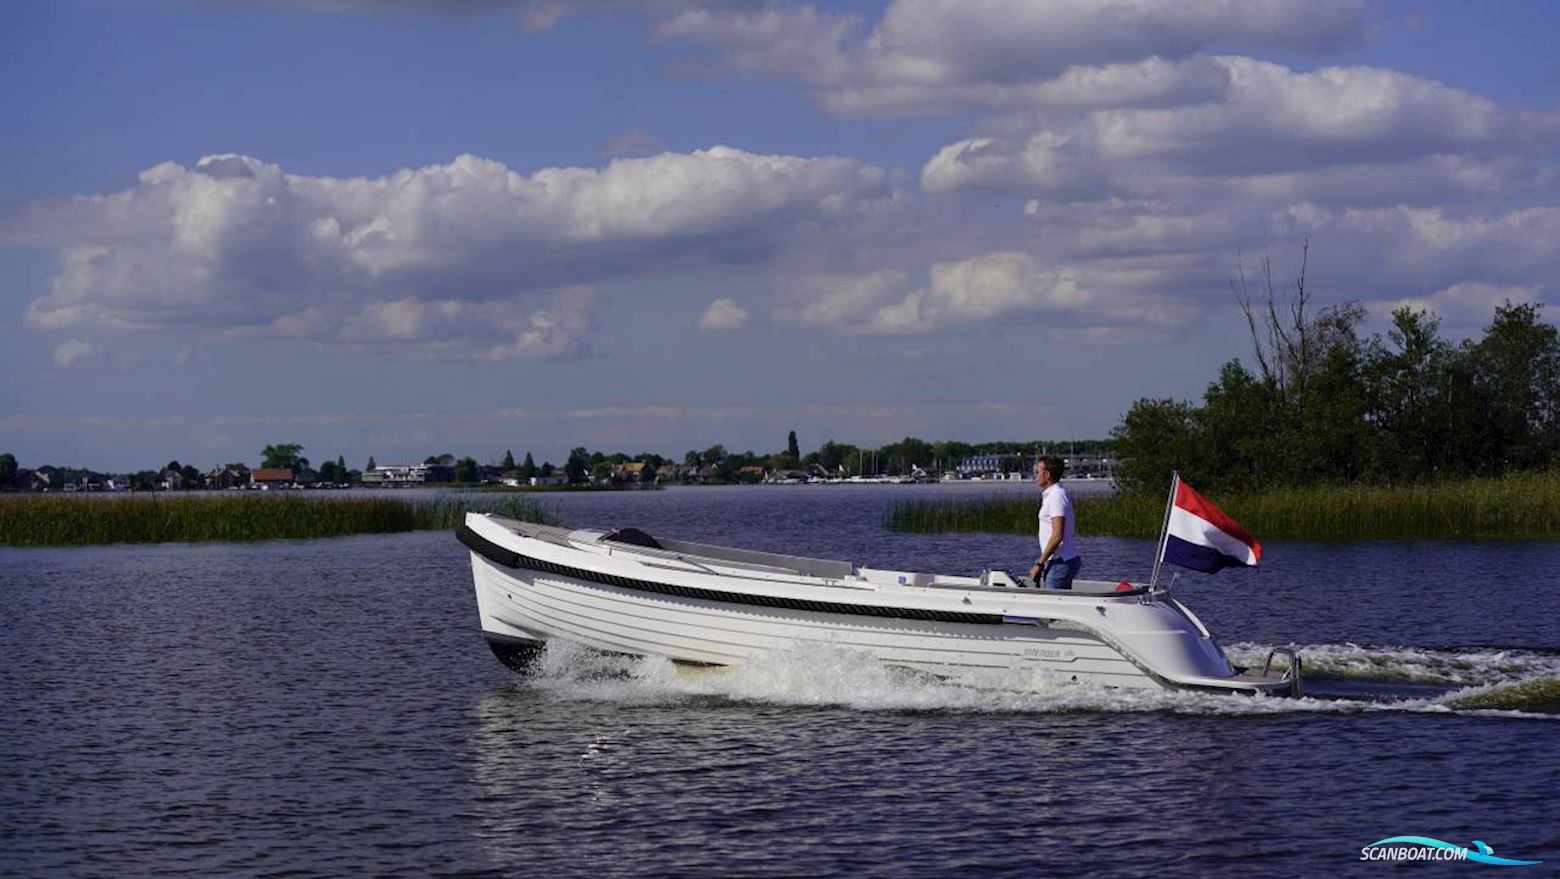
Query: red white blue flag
[[1198, 535]]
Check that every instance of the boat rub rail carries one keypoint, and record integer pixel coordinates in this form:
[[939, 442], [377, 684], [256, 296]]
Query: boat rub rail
[[510, 559]]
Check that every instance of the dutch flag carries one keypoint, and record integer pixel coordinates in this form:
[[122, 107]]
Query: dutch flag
[[1199, 536]]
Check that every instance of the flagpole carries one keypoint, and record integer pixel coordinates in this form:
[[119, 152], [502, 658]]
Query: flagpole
[[1164, 531]]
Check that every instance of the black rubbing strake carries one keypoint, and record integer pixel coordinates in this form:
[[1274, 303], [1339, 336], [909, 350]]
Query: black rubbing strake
[[511, 559]]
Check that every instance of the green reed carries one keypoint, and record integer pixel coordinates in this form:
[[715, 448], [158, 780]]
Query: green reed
[[1526, 505], [54, 520]]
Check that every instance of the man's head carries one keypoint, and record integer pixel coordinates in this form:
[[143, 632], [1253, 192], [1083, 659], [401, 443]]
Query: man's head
[[1049, 470]]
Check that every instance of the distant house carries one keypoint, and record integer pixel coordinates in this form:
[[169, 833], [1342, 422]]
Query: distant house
[[408, 474], [632, 471], [271, 477], [666, 473], [549, 480], [225, 477], [170, 480]]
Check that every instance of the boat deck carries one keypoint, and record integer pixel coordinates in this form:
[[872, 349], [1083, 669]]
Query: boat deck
[[730, 561]]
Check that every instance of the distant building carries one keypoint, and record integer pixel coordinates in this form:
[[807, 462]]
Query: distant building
[[225, 478], [408, 474], [632, 471], [396, 474], [986, 463], [271, 477]]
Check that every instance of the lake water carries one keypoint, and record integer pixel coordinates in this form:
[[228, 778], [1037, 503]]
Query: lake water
[[329, 708]]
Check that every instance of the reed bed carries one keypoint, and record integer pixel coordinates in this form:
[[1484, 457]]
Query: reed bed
[[1523, 506], [51, 520]]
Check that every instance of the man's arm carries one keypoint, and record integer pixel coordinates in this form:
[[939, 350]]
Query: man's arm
[[1057, 522]]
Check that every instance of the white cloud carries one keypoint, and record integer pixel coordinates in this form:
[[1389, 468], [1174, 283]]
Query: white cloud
[[237, 245], [1135, 269], [73, 351], [838, 301], [985, 290], [723, 315], [952, 55], [1275, 132], [533, 14], [497, 330], [1465, 306]]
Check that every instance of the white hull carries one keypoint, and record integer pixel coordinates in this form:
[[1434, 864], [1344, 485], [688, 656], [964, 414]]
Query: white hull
[[715, 606]]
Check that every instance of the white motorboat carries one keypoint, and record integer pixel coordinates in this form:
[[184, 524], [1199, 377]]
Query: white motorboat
[[627, 592]]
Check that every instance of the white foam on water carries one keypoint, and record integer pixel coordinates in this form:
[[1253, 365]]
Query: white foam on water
[[1452, 667], [823, 675]]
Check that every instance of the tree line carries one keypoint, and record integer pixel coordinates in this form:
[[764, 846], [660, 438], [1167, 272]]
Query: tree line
[[583, 465], [1325, 403]]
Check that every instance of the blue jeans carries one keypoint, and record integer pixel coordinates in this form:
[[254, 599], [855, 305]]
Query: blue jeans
[[1059, 573]]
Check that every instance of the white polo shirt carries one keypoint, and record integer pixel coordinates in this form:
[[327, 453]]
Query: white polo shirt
[[1055, 501]]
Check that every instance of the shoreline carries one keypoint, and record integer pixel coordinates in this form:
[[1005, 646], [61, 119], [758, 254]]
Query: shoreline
[[1523, 506]]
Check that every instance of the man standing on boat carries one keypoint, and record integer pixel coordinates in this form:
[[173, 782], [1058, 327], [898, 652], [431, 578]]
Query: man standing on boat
[[1059, 560]]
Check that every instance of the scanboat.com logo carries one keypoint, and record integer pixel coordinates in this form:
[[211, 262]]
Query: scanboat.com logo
[[1423, 848]]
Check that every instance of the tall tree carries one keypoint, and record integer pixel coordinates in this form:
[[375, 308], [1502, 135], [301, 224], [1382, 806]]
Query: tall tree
[[577, 468], [466, 470], [791, 447], [528, 469], [1409, 388], [7, 470], [1155, 438], [1517, 374], [371, 464], [283, 455], [509, 460]]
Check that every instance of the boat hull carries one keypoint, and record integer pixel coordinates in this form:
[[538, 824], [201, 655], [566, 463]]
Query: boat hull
[[534, 584], [521, 608]]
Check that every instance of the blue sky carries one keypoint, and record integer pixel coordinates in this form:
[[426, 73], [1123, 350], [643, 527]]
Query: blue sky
[[398, 229]]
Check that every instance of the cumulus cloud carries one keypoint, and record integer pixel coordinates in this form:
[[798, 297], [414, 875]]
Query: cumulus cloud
[[839, 301], [723, 315], [454, 329], [1280, 130], [989, 289], [72, 351], [235, 244], [533, 14], [1466, 305], [1148, 269], [941, 55]]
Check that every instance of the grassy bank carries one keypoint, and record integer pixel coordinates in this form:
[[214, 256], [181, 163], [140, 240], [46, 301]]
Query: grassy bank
[[45, 520], [1513, 506], [544, 489]]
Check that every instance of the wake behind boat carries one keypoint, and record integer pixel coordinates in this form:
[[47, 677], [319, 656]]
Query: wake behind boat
[[628, 592]]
